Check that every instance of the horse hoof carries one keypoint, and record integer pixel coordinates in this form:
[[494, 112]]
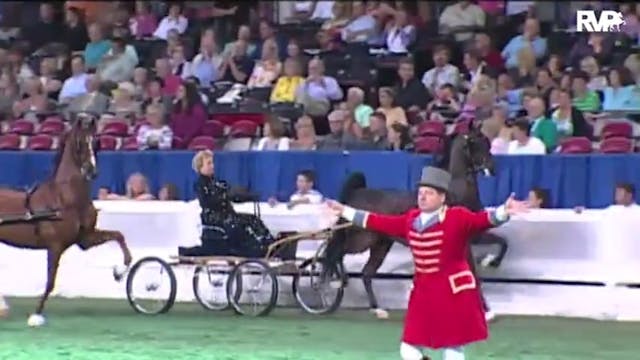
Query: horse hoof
[[4, 313], [119, 271], [489, 316], [381, 314], [36, 320]]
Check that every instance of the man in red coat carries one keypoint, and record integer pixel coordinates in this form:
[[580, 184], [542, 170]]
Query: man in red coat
[[445, 309]]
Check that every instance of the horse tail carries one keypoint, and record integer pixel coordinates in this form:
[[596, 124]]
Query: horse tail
[[335, 250]]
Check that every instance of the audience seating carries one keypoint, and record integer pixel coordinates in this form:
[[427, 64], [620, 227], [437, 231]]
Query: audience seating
[[22, 127], [238, 144], [40, 142], [52, 126], [177, 143], [108, 142], [243, 128], [575, 145], [129, 143], [617, 129], [115, 128], [428, 144], [616, 145], [462, 127], [202, 143], [138, 125], [214, 129], [431, 128], [10, 142]]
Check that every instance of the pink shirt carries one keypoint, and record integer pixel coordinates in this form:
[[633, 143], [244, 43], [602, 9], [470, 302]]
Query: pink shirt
[[492, 7], [143, 25], [171, 85]]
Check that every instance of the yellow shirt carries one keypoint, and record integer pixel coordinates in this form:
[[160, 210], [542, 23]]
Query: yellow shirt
[[394, 115], [285, 89]]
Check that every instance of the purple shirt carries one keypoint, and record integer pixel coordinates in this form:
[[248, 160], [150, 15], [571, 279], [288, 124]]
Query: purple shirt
[[143, 25], [187, 125]]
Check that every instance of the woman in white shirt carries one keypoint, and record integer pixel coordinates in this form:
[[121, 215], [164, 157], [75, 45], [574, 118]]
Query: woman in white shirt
[[400, 34], [274, 138], [156, 134], [174, 20]]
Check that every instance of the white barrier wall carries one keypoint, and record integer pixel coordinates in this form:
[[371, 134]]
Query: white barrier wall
[[598, 246]]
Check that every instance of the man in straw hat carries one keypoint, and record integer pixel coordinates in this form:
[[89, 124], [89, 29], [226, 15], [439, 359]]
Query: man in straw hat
[[445, 309]]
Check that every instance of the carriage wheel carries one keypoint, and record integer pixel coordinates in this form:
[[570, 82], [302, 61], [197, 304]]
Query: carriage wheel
[[151, 286], [252, 288], [210, 286], [319, 290]]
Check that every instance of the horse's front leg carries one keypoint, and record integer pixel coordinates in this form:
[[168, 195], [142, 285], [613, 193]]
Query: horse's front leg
[[4, 307], [53, 261], [99, 237], [377, 253]]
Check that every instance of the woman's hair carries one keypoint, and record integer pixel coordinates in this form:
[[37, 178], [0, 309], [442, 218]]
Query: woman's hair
[[172, 191], [145, 183], [543, 195], [403, 130], [276, 127], [199, 158], [390, 93], [589, 62], [623, 74], [192, 98]]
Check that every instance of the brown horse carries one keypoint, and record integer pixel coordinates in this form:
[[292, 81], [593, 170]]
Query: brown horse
[[68, 194]]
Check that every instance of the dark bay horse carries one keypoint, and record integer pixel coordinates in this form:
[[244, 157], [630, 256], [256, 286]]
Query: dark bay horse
[[464, 156], [68, 193]]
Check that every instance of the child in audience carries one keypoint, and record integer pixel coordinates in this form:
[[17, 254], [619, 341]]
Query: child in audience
[[305, 193]]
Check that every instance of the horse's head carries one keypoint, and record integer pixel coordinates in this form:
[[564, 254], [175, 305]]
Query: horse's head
[[80, 143], [478, 151]]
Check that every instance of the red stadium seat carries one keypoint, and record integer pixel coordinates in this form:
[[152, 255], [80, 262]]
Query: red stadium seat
[[616, 145], [243, 128], [202, 143], [10, 142], [431, 128], [617, 129], [22, 127], [130, 144], [462, 127], [108, 142], [229, 119], [428, 144], [213, 128], [575, 145], [137, 126], [40, 142], [52, 126], [115, 128], [177, 143]]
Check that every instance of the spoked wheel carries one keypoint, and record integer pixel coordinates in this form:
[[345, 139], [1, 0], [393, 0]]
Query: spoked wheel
[[319, 289], [210, 286], [151, 286], [252, 288]]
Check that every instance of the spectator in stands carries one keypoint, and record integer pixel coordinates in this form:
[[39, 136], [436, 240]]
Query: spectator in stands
[[274, 136], [479, 103], [45, 30], [487, 52], [530, 38], [188, 114], [180, 66], [50, 77], [393, 113], [305, 192], [268, 68], [496, 130], [237, 67], [584, 99], [119, 66], [443, 72], [123, 106], [269, 35], [288, 83], [318, 90], [625, 195], [156, 134], [93, 101], [410, 92], [398, 138], [206, 64], [143, 23], [75, 30], [461, 19], [632, 63], [164, 50], [168, 192], [621, 94], [338, 138], [362, 28], [355, 104], [305, 134], [555, 68], [524, 74], [445, 107], [569, 120], [97, 47], [34, 101], [399, 34], [137, 189], [140, 81], [544, 83], [244, 35], [541, 126], [590, 66], [341, 16], [154, 95], [9, 94], [295, 52], [377, 137], [19, 66], [75, 85], [171, 82], [315, 11], [474, 66], [596, 45], [538, 198], [173, 21], [523, 143]]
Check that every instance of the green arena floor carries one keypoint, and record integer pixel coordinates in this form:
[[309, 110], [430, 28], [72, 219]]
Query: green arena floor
[[95, 330]]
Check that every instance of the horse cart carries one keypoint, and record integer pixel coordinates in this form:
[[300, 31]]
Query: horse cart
[[249, 286], [29, 217]]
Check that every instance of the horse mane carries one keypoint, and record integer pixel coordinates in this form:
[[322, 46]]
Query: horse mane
[[57, 158], [354, 181], [443, 159]]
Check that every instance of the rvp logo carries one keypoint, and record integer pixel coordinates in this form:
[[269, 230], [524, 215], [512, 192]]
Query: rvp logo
[[610, 21]]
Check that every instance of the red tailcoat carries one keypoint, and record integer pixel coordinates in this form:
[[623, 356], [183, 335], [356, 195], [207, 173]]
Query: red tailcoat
[[445, 308]]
